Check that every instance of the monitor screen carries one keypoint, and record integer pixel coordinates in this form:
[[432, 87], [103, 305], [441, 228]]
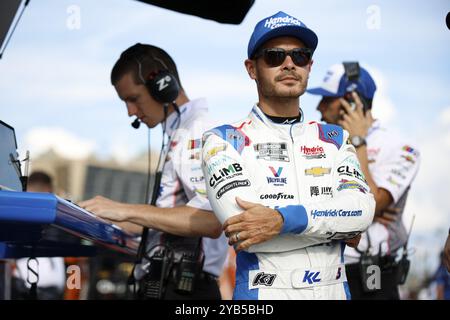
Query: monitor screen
[[9, 173]]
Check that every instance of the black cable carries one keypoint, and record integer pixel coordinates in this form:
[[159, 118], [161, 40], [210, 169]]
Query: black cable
[[156, 187], [141, 248], [14, 28], [149, 164]]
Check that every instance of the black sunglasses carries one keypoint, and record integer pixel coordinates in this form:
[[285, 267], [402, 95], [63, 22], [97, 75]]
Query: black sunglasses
[[274, 57]]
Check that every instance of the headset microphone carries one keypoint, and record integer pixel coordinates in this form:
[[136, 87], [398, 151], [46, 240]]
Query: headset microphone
[[136, 123]]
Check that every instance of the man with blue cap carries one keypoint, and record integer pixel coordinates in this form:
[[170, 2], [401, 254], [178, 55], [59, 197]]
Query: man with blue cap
[[272, 179], [389, 165]]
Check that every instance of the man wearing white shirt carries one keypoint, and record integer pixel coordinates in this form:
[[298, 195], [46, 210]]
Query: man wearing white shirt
[[146, 79], [389, 164]]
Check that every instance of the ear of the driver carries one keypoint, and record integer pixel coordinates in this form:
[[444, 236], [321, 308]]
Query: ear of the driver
[[251, 69], [310, 64]]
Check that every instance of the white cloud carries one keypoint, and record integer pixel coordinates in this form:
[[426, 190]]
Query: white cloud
[[445, 116], [66, 144], [445, 121], [219, 85], [383, 107], [430, 216], [429, 198], [120, 151]]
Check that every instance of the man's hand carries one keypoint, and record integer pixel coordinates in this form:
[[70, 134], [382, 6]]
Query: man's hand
[[353, 242], [255, 225], [387, 216], [386, 219], [354, 121], [105, 208], [447, 254]]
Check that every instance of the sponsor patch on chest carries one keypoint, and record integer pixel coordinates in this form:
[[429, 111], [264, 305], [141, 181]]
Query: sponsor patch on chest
[[310, 153], [272, 151]]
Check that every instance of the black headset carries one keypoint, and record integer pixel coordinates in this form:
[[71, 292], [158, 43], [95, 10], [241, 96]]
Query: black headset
[[162, 85]]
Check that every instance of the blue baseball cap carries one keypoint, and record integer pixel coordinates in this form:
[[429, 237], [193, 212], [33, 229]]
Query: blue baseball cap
[[278, 25], [335, 83]]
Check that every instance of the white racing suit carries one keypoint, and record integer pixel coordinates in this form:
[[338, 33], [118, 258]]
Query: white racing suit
[[393, 164], [312, 177]]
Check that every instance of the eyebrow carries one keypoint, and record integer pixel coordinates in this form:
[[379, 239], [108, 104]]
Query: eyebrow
[[130, 97]]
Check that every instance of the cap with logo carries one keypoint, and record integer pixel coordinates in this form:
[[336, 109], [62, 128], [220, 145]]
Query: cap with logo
[[335, 83], [278, 25]]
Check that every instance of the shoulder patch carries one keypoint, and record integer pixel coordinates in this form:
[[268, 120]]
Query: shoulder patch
[[232, 135], [331, 133]]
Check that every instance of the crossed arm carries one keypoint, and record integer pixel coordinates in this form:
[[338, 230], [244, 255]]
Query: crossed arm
[[248, 223]]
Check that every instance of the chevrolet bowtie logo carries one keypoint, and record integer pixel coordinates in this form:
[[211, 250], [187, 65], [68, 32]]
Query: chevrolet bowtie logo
[[317, 171]]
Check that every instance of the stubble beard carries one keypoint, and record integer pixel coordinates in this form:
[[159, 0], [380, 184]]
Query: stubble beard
[[273, 91]]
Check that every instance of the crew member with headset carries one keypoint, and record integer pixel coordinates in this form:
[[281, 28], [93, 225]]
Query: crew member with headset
[[185, 248], [389, 164]]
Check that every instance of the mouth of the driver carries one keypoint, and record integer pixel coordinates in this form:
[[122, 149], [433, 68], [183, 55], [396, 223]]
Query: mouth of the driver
[[288, 76]]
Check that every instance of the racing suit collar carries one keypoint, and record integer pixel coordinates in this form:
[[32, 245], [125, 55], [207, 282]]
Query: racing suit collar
[[187, 111], [283, 129]]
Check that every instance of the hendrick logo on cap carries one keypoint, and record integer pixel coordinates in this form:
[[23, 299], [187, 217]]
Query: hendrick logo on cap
[[277, 22], [328, 76]]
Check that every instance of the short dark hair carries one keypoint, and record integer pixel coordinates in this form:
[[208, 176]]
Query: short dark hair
[[151, 58], [41, 178]]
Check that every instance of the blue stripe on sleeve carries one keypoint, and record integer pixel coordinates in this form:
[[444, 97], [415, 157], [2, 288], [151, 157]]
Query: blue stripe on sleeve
[[295, 219]]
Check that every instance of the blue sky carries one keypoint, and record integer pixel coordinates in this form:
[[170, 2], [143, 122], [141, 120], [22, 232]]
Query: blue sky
[[55, 89]]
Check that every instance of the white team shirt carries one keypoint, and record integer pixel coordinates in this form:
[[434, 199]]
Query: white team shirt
[[393, 164], [182, 182]]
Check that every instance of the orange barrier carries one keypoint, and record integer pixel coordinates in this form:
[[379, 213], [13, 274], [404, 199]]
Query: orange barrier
[[228, 276]]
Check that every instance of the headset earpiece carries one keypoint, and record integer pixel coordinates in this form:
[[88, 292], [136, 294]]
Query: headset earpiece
[[163, 87]]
